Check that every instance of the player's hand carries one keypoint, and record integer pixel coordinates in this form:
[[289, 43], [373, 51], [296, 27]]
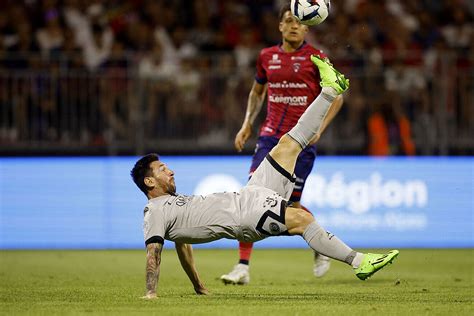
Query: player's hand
[[149, 296], [201, 290], [242, 137]]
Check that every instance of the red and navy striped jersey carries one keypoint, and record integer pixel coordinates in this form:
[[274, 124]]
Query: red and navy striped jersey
[[292, 84]]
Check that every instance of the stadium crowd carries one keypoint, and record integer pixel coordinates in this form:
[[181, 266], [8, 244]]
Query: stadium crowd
[[95, 71]]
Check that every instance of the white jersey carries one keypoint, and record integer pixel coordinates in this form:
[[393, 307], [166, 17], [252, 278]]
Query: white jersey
[[255, 212], [193, 218]]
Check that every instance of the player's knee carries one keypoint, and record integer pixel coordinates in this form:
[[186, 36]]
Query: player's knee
[[315, 139], [306, 218], [300, 219], [289, 144]]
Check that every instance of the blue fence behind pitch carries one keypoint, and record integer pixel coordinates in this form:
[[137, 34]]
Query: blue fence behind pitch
[[48, 203]]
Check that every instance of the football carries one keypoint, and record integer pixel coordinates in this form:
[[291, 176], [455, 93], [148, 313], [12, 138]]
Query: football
[[310, 12]]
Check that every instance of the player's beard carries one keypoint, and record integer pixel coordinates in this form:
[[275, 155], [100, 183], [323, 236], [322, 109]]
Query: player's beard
[[168, 186], [171, 187]]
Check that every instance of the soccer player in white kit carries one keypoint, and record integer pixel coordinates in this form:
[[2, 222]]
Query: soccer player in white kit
[[257, 211]]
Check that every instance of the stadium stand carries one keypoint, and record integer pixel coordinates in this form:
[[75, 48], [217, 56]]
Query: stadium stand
[[124, 77]]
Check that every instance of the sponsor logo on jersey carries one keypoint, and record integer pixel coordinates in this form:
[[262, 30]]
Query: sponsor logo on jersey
[[291, 100], [274, 67], [298, 58], [271, 201], [275, 59], [274, 228], [287, 85], [181, 200]]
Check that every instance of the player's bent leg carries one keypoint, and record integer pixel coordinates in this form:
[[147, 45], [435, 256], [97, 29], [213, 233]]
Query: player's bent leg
[[297, 219], [321, 263], [299, 222]]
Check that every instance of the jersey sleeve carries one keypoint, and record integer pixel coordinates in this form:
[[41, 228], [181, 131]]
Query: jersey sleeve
[[154, 226], [261, 75]]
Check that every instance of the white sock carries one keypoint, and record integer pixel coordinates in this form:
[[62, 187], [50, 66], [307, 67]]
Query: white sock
[[357, 260], [310, 122], [327, 244], [330, 91]]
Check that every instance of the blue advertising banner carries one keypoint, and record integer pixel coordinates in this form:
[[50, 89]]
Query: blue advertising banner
[[51, 203]]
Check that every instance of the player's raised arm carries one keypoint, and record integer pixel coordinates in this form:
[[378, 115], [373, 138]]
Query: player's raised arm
[[185, 254], [254, 106], [153, 261]]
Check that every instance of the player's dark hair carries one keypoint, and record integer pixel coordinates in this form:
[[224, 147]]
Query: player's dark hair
[[283, 9], [141, 170]]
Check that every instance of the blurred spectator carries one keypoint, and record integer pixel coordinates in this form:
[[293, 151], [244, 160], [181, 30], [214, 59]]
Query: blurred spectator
[[458, 33], [153, 66], [180, 45], [184, 111], [246, 50], [389, 132], [115, 105], [202, 34], [157, 88], [51, 36], [93, 35]]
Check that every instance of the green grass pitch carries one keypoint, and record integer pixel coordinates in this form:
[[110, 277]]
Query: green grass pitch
[[420, 282]]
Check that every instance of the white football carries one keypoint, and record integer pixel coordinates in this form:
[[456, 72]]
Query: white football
[[310, 12]]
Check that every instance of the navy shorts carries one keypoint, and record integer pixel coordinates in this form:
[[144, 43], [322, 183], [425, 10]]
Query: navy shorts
[[303, 167]]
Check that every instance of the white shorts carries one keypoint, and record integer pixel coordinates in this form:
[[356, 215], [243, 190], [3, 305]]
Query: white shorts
[[264, 201], [271, 175]]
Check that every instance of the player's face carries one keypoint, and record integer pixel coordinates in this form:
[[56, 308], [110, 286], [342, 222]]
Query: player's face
[[291, 30], [163, 177]]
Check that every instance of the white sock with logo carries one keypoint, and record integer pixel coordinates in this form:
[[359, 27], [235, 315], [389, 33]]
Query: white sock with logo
[[329, 245]]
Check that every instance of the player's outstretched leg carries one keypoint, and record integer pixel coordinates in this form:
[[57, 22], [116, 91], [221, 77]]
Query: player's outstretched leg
[[333, 83], [309, 125], [301, 223]]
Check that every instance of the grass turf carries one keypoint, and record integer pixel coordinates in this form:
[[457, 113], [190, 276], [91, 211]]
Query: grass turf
[[420, 282]]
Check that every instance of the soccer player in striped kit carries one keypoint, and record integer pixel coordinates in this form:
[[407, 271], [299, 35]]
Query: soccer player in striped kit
[[290, 80]]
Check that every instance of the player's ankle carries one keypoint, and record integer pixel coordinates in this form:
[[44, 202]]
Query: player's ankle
[[244, 261], [329, 91], [357, 260]]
